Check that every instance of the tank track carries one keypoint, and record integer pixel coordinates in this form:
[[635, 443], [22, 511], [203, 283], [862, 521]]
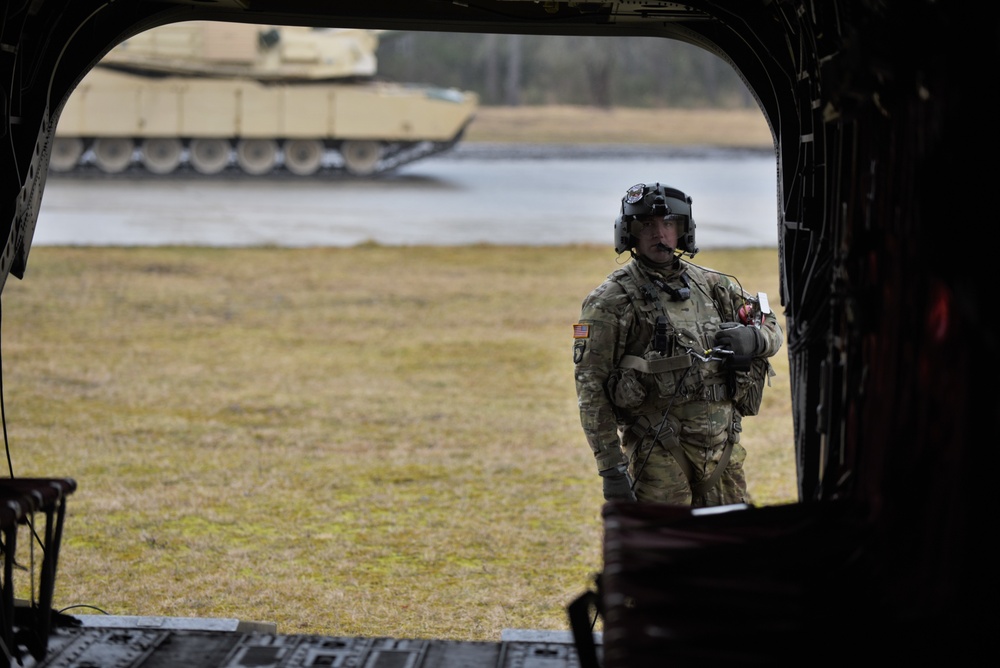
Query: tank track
[[393, 156]]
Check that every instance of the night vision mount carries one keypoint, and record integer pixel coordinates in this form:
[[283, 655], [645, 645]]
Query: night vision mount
[[654, 199]]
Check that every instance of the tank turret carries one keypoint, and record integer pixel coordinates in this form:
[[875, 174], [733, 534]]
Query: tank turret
[[211, 97], [223, 50]]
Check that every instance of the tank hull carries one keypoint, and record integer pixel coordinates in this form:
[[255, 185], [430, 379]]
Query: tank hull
[[119, 119]]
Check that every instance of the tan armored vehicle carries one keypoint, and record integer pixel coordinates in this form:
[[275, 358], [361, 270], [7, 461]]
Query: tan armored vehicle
[[217, 96]]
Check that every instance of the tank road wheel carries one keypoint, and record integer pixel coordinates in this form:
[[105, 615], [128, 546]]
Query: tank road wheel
[[209, 156], [257, 156], [303, 156], [66, 152], [161, 155], [113, 154], [361, 157]]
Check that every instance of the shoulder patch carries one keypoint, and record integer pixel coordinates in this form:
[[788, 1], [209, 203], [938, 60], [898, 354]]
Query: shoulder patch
[[581, 331]]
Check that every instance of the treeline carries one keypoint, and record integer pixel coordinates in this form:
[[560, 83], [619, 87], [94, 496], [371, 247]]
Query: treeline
[[543, 69]]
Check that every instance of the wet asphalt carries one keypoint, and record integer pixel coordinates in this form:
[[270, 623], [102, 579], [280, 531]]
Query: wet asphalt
[[472, 194]]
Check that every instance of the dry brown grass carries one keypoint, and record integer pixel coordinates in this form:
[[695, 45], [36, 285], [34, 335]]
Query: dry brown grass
[[569, 124], [365, 441]]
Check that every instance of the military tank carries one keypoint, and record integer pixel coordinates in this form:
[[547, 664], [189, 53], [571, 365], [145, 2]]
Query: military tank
[[212, 97]]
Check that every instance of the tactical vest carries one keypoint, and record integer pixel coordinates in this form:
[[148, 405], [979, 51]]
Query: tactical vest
[[675, 324]]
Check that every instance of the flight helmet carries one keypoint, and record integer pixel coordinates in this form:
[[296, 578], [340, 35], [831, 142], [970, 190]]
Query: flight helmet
[[654, 199]]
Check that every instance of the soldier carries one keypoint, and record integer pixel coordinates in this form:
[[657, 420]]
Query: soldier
[[669, 356]]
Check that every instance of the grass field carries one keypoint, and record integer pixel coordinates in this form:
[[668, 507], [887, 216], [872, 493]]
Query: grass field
[[679, 127], [364, 441]]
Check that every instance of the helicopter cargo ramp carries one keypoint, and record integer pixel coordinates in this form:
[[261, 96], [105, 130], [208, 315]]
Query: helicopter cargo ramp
[[158, 642]]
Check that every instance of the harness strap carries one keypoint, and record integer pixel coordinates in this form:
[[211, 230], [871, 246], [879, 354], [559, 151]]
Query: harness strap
[[710, 482], [643, 425]]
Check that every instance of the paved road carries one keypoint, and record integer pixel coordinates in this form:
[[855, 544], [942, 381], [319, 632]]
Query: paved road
[[473, 195]]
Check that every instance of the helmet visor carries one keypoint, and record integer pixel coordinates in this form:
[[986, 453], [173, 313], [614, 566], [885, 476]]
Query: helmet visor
[[644, 221]]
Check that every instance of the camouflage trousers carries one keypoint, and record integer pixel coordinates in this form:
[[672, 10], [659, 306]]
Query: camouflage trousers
[[660, 479]]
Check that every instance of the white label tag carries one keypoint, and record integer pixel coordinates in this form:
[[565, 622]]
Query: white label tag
[[765, 308]]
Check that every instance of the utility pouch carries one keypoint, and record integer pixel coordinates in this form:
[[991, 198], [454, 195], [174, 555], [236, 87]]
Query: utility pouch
[[748, 385], [625, 389], [658, 373], [666, 382]]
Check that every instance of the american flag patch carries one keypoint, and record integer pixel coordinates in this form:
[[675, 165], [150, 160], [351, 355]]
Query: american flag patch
[[581, 331]]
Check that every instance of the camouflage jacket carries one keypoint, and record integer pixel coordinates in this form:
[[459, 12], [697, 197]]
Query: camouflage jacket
[[627, 368]]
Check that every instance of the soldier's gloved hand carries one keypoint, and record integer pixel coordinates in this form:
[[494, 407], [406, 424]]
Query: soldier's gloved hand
[[616, 485], [744, 341]]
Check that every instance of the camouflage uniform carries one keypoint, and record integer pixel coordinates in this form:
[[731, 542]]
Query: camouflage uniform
[[645, 400]]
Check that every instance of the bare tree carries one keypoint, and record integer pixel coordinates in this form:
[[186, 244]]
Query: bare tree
[[491, 68], [512, 84], [600, 58], [553, 69]]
